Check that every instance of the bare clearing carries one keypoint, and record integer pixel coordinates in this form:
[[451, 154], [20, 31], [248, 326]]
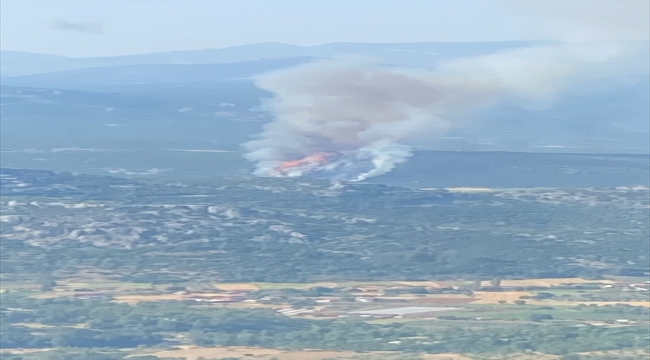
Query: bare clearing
[[130, 299], [194, 353], [576, 303], [548, 282], [484, 297], [236, 287], [431, 284], [444, 357]]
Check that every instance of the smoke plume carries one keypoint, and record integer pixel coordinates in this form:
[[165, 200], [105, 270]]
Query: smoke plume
[[353, 119], [362, 116]]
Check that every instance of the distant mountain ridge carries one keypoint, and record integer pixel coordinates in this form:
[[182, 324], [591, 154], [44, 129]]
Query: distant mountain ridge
[[13, 63], [154, 73]]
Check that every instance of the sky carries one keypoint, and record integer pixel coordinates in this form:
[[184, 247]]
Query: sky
[[84, 28]]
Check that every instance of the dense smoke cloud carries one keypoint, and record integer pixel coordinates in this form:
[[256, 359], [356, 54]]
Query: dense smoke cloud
[[353, 120], [367, 114]]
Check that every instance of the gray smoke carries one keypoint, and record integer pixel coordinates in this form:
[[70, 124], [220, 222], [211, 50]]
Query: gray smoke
[[370, 113], [94, 28]]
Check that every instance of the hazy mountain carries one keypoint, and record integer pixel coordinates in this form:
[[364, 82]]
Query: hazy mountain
[[142, 117], [153, 73], [411, 54], [18, 63], [605, 115], [203, 96]]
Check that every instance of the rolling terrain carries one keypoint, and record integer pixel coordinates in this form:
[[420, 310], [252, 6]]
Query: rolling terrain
[[131, 227], [103, 267]]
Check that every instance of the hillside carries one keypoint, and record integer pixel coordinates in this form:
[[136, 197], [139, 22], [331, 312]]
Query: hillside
[[296, 231]]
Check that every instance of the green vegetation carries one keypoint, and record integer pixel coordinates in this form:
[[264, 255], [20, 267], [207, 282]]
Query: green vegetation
[[67, 234], [148, 324], [267, 230]]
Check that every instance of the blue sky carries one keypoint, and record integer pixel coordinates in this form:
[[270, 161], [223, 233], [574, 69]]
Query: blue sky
[[116, 27]]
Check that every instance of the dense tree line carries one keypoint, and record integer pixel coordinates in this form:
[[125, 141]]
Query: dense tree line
[[119, 325]]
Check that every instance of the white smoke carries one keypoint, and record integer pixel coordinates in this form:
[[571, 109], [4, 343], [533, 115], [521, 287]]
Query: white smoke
[[384, 158], [343, 107]]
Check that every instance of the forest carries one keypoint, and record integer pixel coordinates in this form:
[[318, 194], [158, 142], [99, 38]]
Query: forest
[[111, 325], [279, 230]]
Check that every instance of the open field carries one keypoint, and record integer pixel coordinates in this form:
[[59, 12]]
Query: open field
[[444, 357], [235, 287], [163, 297], [194, 353], [102, 285], [485, 297], [548, 282], [575, 303], [645, 353], [132, 293], [297, 286], [431, 284], [518, 356]]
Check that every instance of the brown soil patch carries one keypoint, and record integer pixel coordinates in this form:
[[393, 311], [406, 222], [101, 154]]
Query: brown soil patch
[[235, 287], [431, 284], [548, 282], [520, 356], [449, 296], [484, 297], [194, 353], [167, 297], [618, 352], [246, 305], [576, 303], [444, 357], [445, 301]]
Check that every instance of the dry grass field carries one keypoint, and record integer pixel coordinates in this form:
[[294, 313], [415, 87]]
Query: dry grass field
[[485, 297], [444, 357], [132, 299], [548, 282], [194, 353], [431, 284], [236, 287], [576, 303]]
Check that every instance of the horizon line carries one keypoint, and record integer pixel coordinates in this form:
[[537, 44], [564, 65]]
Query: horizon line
[[274, 43]]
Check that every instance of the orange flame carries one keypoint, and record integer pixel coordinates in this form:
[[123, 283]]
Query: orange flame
[[316, 159]]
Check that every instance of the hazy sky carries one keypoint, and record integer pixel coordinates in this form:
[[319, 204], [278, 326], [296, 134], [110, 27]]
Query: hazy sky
[[116, 27]]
